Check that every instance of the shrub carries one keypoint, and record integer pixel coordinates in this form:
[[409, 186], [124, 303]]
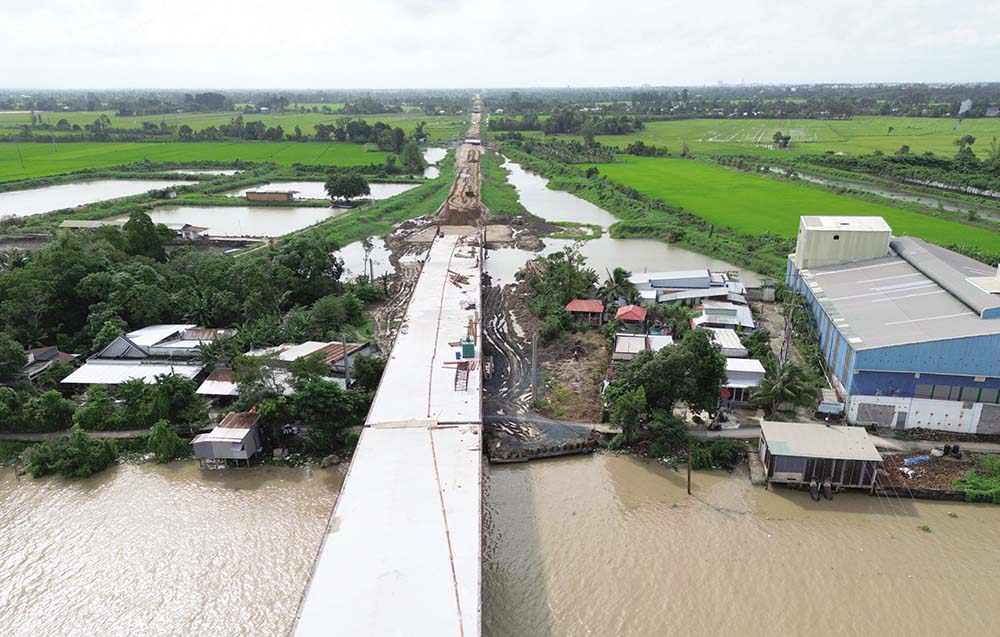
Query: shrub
[[165, 444], [75, 455]]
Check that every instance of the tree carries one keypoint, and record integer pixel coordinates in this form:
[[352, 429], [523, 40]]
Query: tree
[[627, 411], [347, 186], [618, 287], [165, 444], [109, 332], [98, 412], [49, 411], [903, 150], [781, 140], [789, 384], [411, 158], [706, 371], [674, 318], [145, 238], [12, 357], [366, 371], [185, 133]]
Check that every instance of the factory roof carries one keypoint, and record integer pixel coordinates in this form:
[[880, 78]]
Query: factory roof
[[914, 296], [809, 440]]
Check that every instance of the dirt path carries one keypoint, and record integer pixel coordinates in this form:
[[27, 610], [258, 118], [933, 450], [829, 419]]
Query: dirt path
[[508, 391], [42, 437]]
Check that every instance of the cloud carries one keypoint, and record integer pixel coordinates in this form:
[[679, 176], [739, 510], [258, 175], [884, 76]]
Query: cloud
[[469, 43]]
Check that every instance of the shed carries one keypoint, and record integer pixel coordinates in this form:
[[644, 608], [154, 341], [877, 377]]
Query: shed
[[728, 342], [235, 439], [631, 314], [742, 375], [798, 453], [270, 195], [627, 346], [586, 311]]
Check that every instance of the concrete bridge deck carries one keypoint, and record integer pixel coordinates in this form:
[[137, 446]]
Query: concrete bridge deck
[[402, 552]]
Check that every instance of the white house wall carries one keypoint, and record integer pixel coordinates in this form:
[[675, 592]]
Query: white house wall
[[921, 413]]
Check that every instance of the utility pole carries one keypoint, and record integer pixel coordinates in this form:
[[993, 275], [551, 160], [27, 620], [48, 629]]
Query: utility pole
[[347, 368], [689, 466]]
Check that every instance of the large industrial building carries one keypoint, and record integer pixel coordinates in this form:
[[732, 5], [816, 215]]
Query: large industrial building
[[910, 331]]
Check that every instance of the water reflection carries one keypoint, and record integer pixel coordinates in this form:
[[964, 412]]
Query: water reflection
[[317, 189], [24, 203], [432, 155]]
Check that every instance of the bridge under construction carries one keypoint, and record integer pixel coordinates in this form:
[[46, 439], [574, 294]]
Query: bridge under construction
[[402, 550]]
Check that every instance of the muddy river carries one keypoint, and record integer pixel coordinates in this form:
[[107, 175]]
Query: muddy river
[[242, 221], [159, 550], [600, 545], [24, 203], [608, 545], [317, 189]]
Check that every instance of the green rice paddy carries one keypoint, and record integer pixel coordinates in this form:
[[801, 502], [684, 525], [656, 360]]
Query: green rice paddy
[[45, 159], [755, 204]]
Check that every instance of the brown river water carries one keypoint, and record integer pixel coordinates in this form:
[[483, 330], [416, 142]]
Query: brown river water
[[603, 545]]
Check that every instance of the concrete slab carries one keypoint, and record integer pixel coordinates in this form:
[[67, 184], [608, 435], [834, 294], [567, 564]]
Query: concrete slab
[[419, 379]]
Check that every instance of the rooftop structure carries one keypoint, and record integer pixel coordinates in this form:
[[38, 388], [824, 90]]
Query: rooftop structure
[[585, 305], [688, 287], [40, 359], [627, 346], [725, 315], [631, 313], [116, 372], [728, 342], [826, 241]]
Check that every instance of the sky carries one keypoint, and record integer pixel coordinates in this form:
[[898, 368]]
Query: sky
[[509, 43]]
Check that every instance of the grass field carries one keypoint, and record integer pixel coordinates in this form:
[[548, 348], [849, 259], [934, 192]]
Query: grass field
[[854, 136], [42, 160], [438, 127], [754, 204]]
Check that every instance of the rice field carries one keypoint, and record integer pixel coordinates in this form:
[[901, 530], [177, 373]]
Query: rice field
[[756, 204], [859, 135], [438, 127], [45, 159]]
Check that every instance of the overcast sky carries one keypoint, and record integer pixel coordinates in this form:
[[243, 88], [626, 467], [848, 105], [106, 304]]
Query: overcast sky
[[501, 43]]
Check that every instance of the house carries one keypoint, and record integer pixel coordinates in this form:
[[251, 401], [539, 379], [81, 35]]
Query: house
[[187, 232], [234, 440], [800, 453], [688, 287], [634, 317], [270, 195], [910, 331], [727, 341], [221, 383], [147, 353], [724, 314], [586, 311], [628, 346], [742, 376], [41, 358]]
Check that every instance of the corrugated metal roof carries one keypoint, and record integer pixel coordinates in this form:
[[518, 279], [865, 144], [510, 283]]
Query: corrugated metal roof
[[239, 420], [726, 338], [631, 313], [630, 343], [114, 372], [808, 440], [155, 333], [585, 305]]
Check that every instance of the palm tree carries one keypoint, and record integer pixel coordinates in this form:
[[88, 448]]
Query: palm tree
[[788, 384], [618, 287]]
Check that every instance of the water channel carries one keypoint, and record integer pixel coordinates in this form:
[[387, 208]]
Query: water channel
[[241, 221], [317, 189], [24, 203]]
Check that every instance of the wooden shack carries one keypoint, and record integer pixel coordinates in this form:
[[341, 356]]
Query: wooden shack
[[799, 453], [586, 311], [234, 441]]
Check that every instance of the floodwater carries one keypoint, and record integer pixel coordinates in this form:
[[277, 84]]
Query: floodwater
[[432, 156], [353, 255], [610, 545], [242, 221], [317, 189], [160, 550], [24, 203], [603, 254]]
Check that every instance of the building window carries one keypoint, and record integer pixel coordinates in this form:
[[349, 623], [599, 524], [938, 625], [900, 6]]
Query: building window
[[924, 391], [970, 394], [836, 237], [989, 395]]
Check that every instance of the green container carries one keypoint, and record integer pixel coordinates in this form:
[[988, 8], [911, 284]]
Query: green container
[[468, 349]]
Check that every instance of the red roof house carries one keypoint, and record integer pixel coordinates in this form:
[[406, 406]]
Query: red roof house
[[632, 313], [587, 310]]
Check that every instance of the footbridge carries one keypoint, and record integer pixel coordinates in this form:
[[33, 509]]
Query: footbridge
[[401, 554]]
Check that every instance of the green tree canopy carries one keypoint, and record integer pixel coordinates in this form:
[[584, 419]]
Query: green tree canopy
[[347, 186]]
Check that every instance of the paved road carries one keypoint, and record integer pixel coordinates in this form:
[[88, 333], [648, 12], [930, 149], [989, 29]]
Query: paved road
[[36, 437]]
